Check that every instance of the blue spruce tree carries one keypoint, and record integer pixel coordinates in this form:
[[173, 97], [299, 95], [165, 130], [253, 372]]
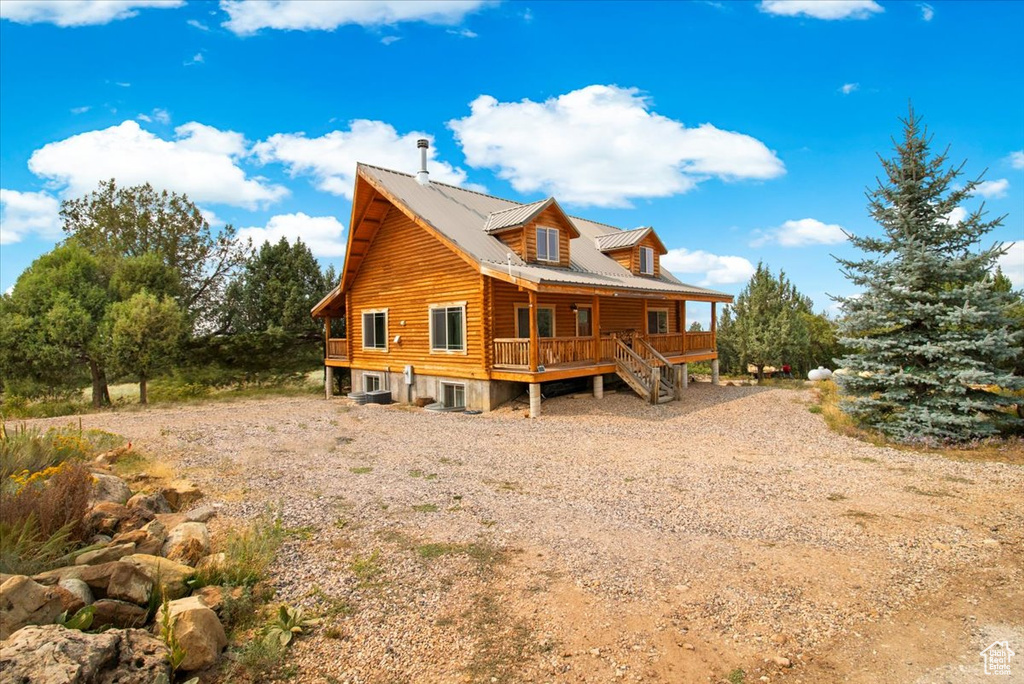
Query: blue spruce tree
[[930, 333]]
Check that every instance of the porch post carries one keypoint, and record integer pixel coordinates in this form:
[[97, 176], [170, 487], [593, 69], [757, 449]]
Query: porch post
[[329, 382], [714, 372], [598, 386], [682, 324], [534, 347], [327, 336], [534, 399], [714, 326], [595, 322], [678, 380]]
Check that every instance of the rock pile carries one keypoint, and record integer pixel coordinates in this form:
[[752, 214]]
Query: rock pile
[[145, 548]]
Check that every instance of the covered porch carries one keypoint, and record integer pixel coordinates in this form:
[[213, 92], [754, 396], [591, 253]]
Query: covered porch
[[514, 353]]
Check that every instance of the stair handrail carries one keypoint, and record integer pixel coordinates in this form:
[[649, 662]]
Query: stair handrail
[[654, 352]]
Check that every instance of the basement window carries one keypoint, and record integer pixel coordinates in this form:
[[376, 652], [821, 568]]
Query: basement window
[[547, 244], [453, 395]]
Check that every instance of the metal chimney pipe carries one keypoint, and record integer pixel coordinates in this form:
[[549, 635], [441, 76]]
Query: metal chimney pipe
[[423, 178]]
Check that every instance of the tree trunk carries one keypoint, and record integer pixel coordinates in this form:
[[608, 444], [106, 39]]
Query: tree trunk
[[760, 372], [100, 392], [142, 390]]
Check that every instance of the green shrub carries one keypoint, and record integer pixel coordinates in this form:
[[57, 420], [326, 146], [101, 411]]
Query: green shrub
[[31, 450], [248, 554]]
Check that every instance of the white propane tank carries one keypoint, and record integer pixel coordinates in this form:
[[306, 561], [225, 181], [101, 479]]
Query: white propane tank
[[819, 373]]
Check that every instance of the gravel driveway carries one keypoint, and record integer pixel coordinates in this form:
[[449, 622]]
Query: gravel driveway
[[612, 540]]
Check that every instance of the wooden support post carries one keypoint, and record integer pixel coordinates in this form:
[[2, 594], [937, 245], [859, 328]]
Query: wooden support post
[[349, 325], [595, 322], [535, 400], [534, 346], [714, 327], [679, 370], [655, 384], [682, 323], [328, 382], [327, 336], [598, 386]]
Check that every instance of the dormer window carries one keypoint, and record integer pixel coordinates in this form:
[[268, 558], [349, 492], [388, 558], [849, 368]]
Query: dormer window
[[646, 261], [547, 244]]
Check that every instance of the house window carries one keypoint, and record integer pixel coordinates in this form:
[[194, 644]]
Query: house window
[[547, 244], [657, 321], [453, 395], [448, 328], [646, 261], [375, 330], [371, 382], [584, 322], [545, 321]]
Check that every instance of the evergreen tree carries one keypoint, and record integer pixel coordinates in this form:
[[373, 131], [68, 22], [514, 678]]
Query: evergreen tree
[[769, 327], [145, 332], [929, 333]]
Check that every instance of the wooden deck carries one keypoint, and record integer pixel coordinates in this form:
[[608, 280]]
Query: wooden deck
[[513, 353]]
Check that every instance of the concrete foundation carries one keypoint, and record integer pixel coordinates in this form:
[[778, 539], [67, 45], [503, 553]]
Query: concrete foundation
[[329, 382], [714, 372], [598, 386], [535, 400], [482, 395], [686, 374]]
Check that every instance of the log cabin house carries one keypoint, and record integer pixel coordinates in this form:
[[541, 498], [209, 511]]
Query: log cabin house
[[468, 298]]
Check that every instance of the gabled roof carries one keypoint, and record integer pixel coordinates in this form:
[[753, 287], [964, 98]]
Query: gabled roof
[[624, 239], [520, 215], [461, 217]]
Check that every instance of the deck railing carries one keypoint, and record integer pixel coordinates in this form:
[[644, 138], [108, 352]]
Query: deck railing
[[337, 348], [557, 352]]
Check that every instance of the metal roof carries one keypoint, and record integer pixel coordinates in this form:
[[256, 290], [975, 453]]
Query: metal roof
[[621, 239], [515, 216], [462, 217]]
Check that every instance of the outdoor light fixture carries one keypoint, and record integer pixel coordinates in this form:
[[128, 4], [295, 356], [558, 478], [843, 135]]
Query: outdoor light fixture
[[573, 307]]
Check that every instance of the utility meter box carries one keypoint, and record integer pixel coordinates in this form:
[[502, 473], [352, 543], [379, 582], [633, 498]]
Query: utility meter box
[[408, 375]]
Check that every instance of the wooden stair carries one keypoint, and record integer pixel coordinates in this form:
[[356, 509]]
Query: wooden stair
[[648, 372]]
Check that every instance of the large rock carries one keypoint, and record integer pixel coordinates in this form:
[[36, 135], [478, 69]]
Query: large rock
[[201, 513], [114, 580], [181, 494], [55, 655], [107, 554], [25, 602], [121, 614], [153, 503], [109, 488], [169, 576], [149, 539], [188, 542], [75, 594], [197, 630], [111, 518]]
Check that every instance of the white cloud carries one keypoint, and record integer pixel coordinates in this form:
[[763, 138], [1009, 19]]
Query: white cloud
[[322, 234], [27, 213], [80, 110], [993, 189], [800, 233], [1012, 263], [463, 33], [388, 40], [77, 12], [246, 18], [1016, 159], [601, 146], [195, 23], [848, 88], [716, 270], [331, 158], [158, 115], [196, 59], [927, 11], [201, 161], [822, 9]]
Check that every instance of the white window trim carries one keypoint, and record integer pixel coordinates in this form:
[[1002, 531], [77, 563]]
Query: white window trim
[[558, 246], [380, 380], [465, 329], [442, 383], [362, 330], [650, 261], [665, 311], [590, 308], [554, 326]]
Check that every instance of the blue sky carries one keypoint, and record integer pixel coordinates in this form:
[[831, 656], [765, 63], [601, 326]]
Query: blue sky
[[742, 131]]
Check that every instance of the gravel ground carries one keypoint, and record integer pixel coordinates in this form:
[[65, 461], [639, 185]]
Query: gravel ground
[[610, 540]]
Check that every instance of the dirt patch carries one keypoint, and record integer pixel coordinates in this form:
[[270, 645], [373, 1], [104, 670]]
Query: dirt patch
[[612, 540]]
